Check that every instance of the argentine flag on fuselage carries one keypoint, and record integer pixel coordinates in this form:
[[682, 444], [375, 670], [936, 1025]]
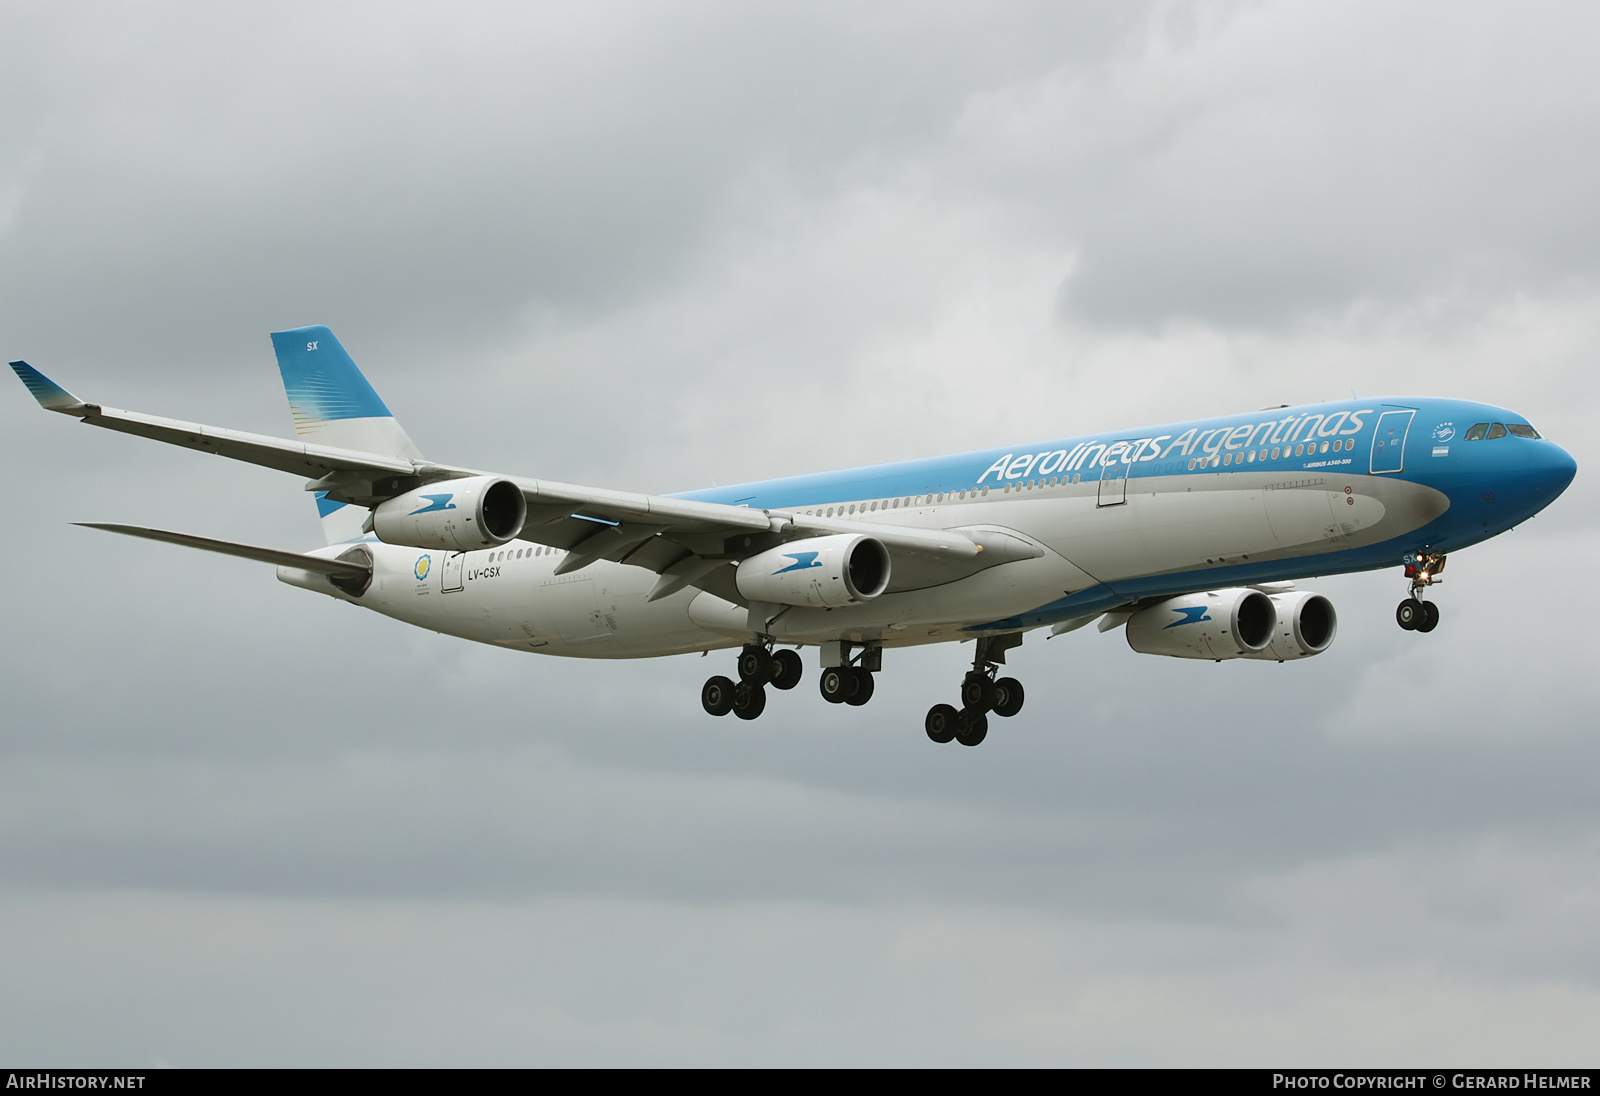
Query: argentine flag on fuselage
[[332, 404]]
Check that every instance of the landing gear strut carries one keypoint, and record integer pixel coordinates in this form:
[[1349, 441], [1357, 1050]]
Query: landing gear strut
[[1414, 614], [981, 693], [759, 666]]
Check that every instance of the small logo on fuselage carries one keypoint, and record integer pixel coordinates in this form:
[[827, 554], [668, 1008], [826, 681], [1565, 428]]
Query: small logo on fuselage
[[421, 569], [1444, 431], [1192, 615], [435, 502], [802, 561]]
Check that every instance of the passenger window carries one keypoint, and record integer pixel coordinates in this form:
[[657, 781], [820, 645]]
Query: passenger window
[[1522, 430], [1478, 431], [1496, 430]]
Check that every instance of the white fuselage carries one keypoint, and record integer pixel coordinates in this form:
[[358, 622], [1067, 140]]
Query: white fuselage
[[1180, 525]]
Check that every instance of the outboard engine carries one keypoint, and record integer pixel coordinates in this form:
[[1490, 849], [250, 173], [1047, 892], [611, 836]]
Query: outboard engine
[[1216, 624]]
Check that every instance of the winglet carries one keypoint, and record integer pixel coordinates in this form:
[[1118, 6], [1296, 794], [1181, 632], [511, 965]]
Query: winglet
[[51, 396]]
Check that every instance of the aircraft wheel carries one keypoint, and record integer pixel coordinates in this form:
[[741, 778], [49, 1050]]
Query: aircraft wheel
[[1409, 613], [755, 666], [941, 723], [786, 670], [716, 696], [749, 700], [977, 692], [864, 687], [1430, 617], [972, 726], [837, 684], [1007, 697]]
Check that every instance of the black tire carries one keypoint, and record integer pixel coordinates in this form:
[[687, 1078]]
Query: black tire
[[977, 691], [1430, 617], [941, 723], [755, 665], [716, 696], [863, 690], [1008, 696], [972, 726], [1408, 614], [787, 670], [837, 684], [749, 700]]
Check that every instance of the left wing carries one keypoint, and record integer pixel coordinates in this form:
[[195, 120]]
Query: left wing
[[682, 540]]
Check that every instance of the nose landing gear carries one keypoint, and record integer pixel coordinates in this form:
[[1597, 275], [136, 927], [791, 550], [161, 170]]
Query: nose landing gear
[[1414, 614], [981, 693]]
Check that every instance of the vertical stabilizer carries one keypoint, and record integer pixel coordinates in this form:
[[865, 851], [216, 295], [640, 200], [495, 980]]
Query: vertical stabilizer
[[332, 404]]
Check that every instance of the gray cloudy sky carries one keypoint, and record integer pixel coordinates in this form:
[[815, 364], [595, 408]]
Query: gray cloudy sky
[[656, 245]]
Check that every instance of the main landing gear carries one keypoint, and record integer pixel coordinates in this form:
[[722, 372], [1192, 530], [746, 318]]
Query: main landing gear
[[1414, 614], [758, 667], [848, 682], [981, 693], [851, 683]]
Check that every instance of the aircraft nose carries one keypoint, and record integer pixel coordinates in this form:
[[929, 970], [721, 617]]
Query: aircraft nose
[[1553, 470]]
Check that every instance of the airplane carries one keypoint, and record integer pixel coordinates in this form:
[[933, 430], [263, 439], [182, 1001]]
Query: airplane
[[1189, 536]]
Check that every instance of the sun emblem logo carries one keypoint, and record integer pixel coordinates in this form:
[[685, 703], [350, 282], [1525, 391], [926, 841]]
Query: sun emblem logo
[[421, 568]]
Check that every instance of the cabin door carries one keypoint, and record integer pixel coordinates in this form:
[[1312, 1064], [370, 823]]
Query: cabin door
[[1114, 477], [450, 572], [1389, 441]]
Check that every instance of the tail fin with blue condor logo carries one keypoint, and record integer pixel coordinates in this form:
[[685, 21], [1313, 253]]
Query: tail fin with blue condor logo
[[332, 404]]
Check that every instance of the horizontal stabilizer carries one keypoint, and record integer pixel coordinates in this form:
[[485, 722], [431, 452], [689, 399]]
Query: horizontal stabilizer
[[336, 567], [51, 396]]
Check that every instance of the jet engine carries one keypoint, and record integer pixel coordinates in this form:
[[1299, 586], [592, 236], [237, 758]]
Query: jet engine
[[459, 515], [1306, 626], [820, 572], [1216, 624]]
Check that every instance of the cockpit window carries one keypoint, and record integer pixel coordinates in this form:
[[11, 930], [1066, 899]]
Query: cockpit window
[[1522, 430], [1496, 430], [1477, 432]]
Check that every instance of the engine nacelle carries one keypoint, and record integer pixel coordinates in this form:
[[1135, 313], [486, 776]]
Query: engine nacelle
[[1306, 626], [1216, 624], [820, 572], [460, 515]]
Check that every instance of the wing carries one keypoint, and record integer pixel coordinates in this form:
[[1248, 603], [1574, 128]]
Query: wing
[[684, 541]]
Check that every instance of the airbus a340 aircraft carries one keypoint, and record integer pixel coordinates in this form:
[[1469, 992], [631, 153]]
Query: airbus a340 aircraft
[[1188, 536]]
